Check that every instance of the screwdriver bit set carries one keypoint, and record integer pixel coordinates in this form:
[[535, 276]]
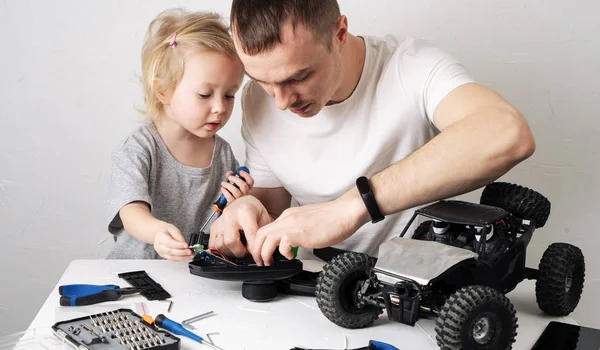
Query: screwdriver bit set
[[115, 330]]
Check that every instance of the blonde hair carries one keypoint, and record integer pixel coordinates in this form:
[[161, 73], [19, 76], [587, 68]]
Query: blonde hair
[[171, 35]]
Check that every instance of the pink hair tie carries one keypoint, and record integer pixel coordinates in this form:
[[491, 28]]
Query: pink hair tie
[[173, 43]]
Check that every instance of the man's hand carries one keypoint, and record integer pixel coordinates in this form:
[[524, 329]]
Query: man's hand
[[170, 244], [244, 214], [310, 226]]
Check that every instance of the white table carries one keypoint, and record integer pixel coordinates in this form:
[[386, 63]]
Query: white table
[[282, 323]]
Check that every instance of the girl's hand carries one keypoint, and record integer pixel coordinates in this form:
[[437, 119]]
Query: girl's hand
[[170, 244], [230, 191]]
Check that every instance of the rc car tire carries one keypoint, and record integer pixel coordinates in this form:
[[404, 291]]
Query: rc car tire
[[476, 318], [518, 200], [336, 291], [421, 232], [560, 279]]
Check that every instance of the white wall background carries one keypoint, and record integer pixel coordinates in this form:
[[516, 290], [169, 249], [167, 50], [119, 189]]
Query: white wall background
[[68, 90]]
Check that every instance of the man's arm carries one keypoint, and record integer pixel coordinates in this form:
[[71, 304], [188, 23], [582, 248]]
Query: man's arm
[[275, 200], [482, 137]]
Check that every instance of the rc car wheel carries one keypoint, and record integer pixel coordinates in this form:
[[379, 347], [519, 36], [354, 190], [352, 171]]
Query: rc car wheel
[[519, 200], [338, 287], [560, 279], [421, 232], [476, 318]]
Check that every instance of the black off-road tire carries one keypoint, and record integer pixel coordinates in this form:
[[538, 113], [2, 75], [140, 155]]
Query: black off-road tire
[[336, 291], [560, 279], [521, 201], [461, 323], [422, 231]]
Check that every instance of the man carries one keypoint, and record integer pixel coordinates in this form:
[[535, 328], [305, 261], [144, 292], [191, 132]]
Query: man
[[325, 108]]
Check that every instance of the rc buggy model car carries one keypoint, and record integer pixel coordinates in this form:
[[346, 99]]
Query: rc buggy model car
[[457, 267]]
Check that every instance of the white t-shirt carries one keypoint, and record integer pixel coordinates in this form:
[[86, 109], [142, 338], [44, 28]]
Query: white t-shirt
[[387, 117]]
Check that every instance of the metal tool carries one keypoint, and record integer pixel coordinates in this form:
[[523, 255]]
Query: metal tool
[[220, 204], [199, 317], [188, 323], [163, 322], [170, 303], [88, 294], [209, 334]]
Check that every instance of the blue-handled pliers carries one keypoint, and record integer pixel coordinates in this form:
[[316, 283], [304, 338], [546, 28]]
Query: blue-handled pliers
[[88, 294]]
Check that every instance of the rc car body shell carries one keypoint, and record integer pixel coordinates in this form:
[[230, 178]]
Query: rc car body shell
[[421, 261]]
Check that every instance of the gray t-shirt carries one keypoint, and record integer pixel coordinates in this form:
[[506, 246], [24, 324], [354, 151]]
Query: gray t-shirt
[[144, 170]]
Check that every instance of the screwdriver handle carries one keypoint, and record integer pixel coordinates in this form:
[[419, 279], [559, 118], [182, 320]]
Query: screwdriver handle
[[220, 204], [163, 322], [377, 345]]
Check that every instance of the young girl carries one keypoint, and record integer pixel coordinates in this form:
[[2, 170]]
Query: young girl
[[167, 173]]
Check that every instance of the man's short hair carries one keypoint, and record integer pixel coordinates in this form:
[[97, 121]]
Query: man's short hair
[[256, 23]]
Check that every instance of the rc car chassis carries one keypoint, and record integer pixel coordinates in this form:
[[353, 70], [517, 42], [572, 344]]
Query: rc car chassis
[[456, 268], [259, 283]]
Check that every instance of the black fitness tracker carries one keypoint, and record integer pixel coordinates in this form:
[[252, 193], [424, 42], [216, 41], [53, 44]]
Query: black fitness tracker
[[364, 188]]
